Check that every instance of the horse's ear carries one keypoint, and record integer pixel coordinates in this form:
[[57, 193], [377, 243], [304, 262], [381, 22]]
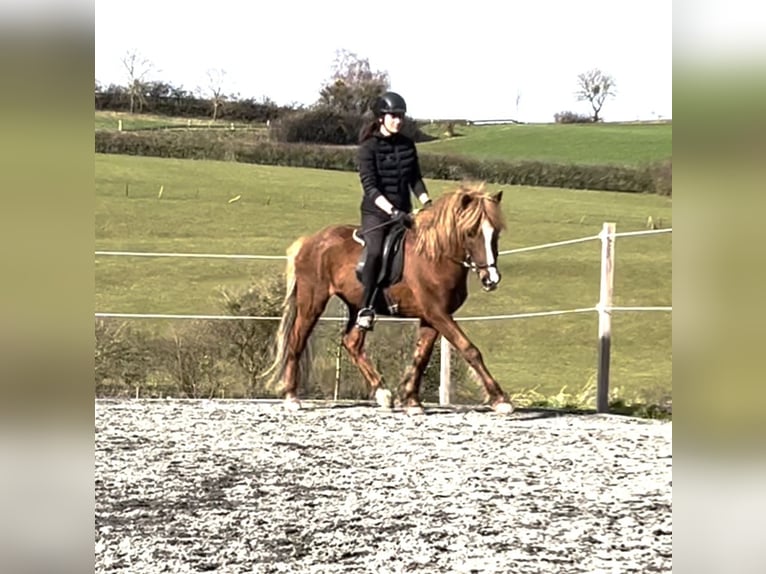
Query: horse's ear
[[498, 196], [465, 201]]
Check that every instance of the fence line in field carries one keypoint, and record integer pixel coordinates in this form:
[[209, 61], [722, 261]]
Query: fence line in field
[[241, 256], [199, 255], [604, 307], [377, 319]]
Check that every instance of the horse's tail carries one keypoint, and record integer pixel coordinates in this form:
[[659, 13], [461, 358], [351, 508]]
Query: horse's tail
[[289, 313]]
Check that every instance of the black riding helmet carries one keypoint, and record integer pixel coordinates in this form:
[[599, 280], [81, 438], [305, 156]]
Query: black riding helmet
[[389, 103]]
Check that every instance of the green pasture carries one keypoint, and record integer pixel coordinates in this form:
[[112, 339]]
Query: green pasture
[[603, 143], [110, 121], [231, 208], [619, 144]]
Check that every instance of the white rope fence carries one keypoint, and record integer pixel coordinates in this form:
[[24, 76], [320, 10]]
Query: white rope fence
[[240, 256], [394, 319], [580, 240], [383, 318], [199, 255], [547, 245]]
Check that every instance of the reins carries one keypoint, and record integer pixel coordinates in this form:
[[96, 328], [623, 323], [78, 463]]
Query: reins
[[362, 232]]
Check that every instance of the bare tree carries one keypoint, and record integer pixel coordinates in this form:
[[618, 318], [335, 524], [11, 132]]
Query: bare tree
[[194, 359], [595, 86], [353, 85], [122, 356], [215, 80], [137, 68]]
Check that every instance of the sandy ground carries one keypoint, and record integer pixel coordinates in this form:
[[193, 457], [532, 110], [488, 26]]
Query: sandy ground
[[244, 486]]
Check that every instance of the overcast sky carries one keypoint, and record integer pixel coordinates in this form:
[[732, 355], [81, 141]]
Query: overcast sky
[[466, 59]]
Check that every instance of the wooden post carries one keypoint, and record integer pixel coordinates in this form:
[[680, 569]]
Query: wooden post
[[336, 390], [445, 384], [119, 125], [605, 316]]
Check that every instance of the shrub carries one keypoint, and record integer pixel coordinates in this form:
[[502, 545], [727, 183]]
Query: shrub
[[247, 343], [123, 358], [193, 358], [661, 174], [320, 125], [232, 147], [412, 130], [571, 118]]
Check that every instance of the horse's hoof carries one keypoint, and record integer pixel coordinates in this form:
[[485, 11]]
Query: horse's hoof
[[415, 410], [503, 408], [384, 398], [292, 404]]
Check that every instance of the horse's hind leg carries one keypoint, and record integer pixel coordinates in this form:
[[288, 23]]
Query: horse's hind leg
[[409, 388], [310, 304], [353, 341]]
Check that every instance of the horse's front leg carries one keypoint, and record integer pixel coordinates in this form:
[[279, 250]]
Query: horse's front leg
[[353, 341], [409, 388], [496, 397]]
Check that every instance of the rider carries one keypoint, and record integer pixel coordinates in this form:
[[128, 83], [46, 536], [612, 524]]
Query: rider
[[389, 170]]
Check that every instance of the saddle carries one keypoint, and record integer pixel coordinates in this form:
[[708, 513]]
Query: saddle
[[391, 265]]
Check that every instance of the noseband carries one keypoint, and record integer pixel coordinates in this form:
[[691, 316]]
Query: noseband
[[469, 263]]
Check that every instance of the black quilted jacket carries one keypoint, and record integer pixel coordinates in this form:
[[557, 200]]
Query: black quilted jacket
[[389, 166]]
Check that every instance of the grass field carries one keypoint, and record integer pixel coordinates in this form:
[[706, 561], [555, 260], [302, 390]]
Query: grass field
[[620, 144], [110, 121], [624, 144], [275, 205]]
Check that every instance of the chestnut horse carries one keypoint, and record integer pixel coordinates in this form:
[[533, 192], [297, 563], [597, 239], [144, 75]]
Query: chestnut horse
[[459, 233]]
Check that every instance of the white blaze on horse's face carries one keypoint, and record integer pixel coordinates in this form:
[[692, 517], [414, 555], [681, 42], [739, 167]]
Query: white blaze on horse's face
[[489, 275]]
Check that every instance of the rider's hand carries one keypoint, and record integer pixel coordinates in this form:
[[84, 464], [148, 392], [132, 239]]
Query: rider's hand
[[402, 217]]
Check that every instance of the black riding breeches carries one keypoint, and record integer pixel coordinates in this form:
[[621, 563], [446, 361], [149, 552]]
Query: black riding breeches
[[374, 238]]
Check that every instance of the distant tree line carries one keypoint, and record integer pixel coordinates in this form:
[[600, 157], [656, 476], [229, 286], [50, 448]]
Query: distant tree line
[[349, 92], [167, 100], [351, 89]]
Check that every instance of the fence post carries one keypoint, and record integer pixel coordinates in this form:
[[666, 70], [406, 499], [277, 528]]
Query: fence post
[[605, 315], [445, 384], [336, 390]]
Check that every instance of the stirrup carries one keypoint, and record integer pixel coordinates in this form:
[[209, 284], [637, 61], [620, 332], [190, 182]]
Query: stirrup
[[365, 318]]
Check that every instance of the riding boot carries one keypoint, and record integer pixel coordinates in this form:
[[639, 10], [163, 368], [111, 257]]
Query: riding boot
[[366, 315]]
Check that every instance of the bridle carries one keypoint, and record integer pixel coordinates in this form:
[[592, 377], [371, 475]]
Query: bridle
[[469, 263], [490, 280]]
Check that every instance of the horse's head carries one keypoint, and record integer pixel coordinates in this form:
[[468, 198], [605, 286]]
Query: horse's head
[[464, 226], [484, 223]]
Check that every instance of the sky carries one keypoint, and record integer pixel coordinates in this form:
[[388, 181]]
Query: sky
[[478, 59]]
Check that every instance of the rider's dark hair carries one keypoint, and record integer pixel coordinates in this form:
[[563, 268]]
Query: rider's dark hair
[[369, 129]]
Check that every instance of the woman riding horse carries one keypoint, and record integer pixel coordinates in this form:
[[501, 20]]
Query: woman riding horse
[[458, 234], [389, 169]]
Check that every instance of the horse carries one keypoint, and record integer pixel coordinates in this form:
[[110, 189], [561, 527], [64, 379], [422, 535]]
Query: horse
[[459, 233]]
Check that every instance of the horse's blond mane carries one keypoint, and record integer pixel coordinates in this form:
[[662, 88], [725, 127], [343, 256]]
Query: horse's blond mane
[[441, 230]]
